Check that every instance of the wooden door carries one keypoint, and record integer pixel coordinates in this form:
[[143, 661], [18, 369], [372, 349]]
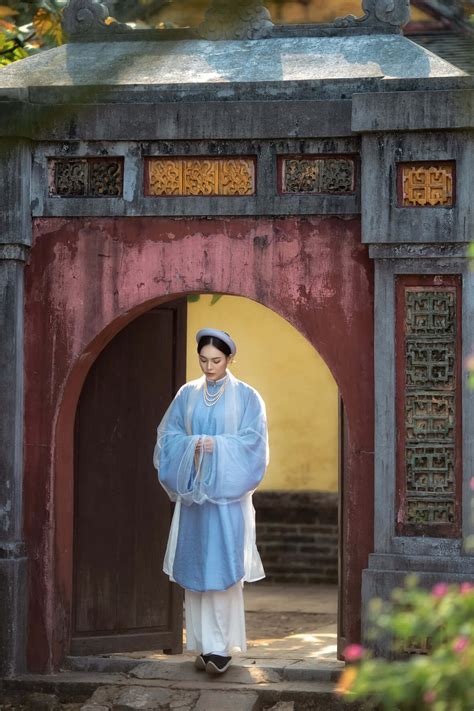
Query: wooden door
[[122, 600]]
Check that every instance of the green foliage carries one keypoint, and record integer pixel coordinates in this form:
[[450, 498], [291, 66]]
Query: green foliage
[[28, 27], [442, 623], [192, 298]]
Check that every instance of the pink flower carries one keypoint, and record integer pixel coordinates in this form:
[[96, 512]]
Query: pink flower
[[440, 589], [353, 652], [460, 644], [429, 696], [466, 588], [471, 484]]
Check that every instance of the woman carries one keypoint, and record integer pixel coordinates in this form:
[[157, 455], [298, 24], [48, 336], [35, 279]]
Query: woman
[[211, 453]]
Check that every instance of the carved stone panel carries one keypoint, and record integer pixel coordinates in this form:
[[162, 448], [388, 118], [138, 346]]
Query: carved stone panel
[[85, 177], [199, 176], [430, 363], [428, 406], [426, 184], [317, 175]]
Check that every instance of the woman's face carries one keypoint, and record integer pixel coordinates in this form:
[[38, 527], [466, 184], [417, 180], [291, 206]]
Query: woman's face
[[213, 362]]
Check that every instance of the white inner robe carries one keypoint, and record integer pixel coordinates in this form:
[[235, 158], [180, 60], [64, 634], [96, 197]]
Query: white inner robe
[[215, 621]]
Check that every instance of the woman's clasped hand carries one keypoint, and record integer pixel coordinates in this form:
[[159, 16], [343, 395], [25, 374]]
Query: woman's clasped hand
[[205, 444]]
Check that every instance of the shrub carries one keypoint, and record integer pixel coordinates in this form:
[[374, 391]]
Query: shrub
[[440, 623]]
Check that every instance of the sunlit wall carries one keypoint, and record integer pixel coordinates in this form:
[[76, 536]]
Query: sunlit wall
[[299, 391]]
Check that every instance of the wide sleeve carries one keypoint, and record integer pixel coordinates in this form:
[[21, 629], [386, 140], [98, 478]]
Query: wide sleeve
[[174, 452], [238, 461]]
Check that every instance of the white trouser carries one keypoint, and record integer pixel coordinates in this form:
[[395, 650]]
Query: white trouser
[[215, 621]]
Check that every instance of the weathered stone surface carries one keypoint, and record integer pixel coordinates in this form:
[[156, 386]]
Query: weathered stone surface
[[305, 671], [267, 199], [384, 219], [226, 701], [207, 62], [13, 572], [186, 672], [139, 697], [100, 664], [15, 215], [283, 706], [431, 110], [162, 670]]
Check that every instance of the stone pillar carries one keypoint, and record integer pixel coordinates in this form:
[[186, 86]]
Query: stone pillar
[[15, 235], [423, 409], [12, 554], [417, 218]]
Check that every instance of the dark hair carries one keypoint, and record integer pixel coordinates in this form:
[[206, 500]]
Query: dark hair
[[216, 342]]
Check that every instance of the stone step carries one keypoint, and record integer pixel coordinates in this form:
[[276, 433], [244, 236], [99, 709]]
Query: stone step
[[139, 688], [182, 667]]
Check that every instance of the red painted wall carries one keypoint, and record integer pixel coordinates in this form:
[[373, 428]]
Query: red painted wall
[[87, 278]]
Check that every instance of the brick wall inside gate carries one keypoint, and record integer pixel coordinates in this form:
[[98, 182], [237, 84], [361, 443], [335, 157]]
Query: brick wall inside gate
[[297, 535]]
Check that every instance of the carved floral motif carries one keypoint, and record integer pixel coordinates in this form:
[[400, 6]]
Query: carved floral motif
[[200, 176], [85, 177], [237, 177], [70, 177], [317, 175]]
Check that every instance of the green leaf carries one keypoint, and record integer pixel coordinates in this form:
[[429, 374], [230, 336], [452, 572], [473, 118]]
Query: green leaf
[[192, 298], [215, 298]]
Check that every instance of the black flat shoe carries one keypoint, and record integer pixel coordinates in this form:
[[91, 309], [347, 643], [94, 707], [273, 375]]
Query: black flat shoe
[[217, 664], [201, 661]]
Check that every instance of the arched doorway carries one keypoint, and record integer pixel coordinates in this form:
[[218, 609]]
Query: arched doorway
[[122, 601], [89, 277]]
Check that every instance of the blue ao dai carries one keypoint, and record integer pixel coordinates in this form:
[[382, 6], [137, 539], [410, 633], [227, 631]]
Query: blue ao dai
[[212, 538]]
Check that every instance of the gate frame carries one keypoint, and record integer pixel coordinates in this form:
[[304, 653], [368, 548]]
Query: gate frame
[[424, 114]]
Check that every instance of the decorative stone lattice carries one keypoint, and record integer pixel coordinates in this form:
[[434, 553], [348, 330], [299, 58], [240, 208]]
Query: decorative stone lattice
[[317, 175], [428, 447], [427, 185], [200, 176], [85, 177]]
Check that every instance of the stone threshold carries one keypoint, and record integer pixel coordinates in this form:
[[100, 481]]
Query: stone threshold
[[118, 682], [244, 669]]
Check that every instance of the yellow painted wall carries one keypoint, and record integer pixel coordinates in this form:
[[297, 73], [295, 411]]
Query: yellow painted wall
[[299, 391]]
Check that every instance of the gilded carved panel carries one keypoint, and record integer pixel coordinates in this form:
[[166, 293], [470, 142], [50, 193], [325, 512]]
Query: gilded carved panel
[[429, 370], [200, 176], [427, 185]]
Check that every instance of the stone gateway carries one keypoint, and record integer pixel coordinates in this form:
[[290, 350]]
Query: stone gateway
[[324, 172]]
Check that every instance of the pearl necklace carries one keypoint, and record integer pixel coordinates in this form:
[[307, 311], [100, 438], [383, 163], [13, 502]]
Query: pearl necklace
[[210, 399]]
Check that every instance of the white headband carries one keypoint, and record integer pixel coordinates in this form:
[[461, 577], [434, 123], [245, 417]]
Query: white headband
[[214, 333]]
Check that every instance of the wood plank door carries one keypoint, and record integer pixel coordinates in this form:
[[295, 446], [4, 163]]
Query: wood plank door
[[122, 600]]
